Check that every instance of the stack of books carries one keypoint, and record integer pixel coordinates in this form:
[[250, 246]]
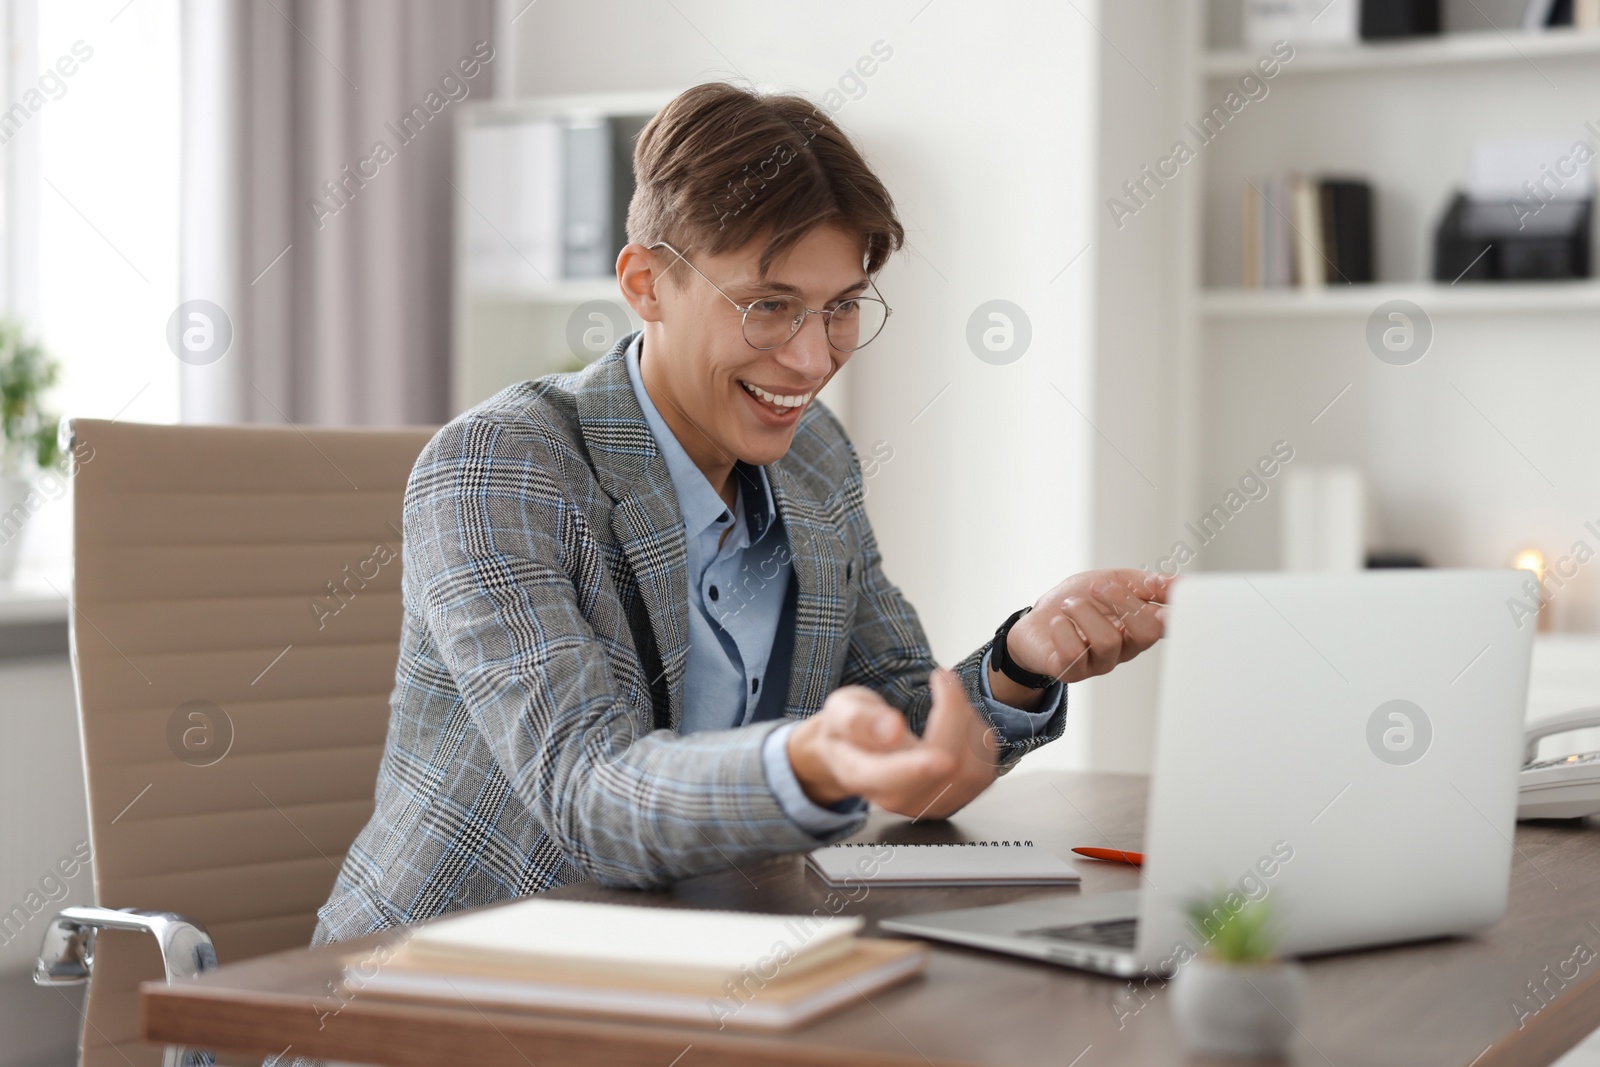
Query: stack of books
[[710, 968], [1306, 231]]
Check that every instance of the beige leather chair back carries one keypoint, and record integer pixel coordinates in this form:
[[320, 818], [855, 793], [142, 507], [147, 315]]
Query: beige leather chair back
[[235, 630]]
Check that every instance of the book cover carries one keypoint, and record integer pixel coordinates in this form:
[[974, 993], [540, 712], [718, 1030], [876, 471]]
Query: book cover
[[586, 200], [1250, 237], [1309, 266], [774, 997], [541, 932], [1347, 226]]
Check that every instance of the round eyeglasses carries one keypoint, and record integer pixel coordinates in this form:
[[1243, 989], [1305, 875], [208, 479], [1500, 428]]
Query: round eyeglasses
[[770, 321]]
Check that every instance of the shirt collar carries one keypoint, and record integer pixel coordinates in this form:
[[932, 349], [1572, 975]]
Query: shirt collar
[[698, 503]]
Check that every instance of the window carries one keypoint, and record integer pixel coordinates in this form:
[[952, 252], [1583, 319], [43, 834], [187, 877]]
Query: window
[[90, 137], [108, 204]]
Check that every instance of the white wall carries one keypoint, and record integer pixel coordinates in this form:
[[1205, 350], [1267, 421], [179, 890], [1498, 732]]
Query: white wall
[[982, 124], [43, 807], [1139, 268], [108, 255]]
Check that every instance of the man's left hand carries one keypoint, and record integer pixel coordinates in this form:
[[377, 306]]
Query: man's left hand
[[1090, 623]]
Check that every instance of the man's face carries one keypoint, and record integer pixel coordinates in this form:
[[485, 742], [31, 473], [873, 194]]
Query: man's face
[[708, 381]]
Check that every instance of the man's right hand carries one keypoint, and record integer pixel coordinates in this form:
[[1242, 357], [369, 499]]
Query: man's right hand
[[860, 745]]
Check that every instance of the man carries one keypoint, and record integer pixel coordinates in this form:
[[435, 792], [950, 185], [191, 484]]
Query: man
[[648, 632]]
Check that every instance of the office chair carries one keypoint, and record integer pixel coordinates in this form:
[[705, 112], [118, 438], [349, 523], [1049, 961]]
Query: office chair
[[235, 626]]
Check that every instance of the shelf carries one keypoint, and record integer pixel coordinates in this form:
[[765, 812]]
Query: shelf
[[1459, 48], [576, 105], [1478, 298], [563, 292]]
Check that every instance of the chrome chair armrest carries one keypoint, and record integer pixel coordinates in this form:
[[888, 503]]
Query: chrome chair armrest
[[67, 955]]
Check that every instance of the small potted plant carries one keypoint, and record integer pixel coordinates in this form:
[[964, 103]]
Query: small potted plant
[[28, 439], [1236, 997]]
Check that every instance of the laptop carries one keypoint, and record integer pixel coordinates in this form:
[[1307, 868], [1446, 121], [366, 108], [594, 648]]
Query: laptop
[[1344, 747]]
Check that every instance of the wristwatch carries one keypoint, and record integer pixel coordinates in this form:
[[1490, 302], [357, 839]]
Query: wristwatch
[[1000, 656]]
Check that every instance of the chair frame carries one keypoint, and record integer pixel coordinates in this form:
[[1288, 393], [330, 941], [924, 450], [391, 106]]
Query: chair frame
[[68, 948], [66, 956]]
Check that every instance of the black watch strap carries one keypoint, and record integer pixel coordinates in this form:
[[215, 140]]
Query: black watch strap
[[1000, 656]]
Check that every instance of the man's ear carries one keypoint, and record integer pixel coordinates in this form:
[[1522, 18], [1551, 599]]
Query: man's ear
[[640, 280]]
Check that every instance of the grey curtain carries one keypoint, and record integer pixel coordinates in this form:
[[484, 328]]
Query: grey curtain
[[317, 205]]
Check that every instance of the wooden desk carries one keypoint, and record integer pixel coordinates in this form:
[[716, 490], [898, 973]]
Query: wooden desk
[[1445, 1002]]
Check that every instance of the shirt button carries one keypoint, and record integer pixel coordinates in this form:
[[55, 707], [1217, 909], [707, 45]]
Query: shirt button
[[755, 684], [725, 517], [713, 592]]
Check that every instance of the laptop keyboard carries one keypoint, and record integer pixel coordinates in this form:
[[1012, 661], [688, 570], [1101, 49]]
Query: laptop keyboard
[[1113, 933]]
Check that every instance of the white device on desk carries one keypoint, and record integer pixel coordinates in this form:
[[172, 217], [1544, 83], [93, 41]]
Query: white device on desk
[[1562, 787], [1343, 746]]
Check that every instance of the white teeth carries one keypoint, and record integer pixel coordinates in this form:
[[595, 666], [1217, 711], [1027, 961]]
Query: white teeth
[[774, 399]]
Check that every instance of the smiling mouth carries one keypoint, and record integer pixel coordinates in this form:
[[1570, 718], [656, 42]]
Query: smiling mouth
[[778, 403]]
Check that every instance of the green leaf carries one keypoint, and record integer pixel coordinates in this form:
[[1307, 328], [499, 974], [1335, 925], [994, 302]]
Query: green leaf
[[27, 372], [1234, 929]]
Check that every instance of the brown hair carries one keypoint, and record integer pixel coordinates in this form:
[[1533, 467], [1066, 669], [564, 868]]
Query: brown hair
[[720, 166]]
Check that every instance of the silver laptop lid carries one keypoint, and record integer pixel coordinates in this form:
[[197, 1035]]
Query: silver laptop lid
[[1344, 746]]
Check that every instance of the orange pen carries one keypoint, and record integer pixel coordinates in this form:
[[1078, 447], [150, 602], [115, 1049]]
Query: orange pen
[[1112, 855]]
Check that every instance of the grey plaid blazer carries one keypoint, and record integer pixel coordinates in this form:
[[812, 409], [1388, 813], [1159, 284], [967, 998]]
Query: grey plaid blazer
[[533, 731]]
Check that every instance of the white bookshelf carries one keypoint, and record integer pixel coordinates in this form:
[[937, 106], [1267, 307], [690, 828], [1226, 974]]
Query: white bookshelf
[[1451, 49], [1480, 448], [1344, 300]]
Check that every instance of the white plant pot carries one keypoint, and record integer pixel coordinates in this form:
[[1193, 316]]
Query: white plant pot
[[1237, 1009], [14, 516]]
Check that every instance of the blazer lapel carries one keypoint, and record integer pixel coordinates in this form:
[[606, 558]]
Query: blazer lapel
[[821, 585], [646, 520]]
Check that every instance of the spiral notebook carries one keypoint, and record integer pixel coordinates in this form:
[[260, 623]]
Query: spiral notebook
[[956, 863]]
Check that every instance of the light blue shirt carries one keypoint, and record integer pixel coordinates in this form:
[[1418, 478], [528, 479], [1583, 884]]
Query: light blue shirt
[[741, 620]]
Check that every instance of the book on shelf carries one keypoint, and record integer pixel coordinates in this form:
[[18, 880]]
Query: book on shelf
[[1250, 237], [1310, 252], [1347, 229], [586, 200], [1584, 14], [1306, 231], [1267, 249], [708, 968]]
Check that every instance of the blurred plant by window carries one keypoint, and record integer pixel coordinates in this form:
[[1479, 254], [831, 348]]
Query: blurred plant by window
[[29, 432]]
